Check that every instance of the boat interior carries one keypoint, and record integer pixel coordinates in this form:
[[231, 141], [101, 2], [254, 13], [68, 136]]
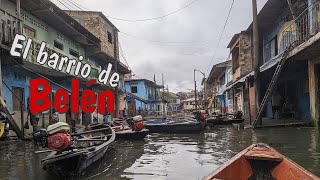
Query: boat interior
[[261, 162]]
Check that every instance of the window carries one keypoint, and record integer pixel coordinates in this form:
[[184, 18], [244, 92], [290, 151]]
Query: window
[[28, 31], [58, 45], [134, 89], [109, 37], [274, 47], [17, 97], [73, 53]]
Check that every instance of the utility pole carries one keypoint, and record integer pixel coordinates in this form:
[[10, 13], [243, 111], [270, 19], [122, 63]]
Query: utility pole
[[163, 106], [205, 91], [115, 65], [256, 57], [195, 90]]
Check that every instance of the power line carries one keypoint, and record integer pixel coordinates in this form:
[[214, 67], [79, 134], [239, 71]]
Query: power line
[[167, 42], [122, 55], [79, 5], [63, 4], [154, 18], [224, 27], [139, 20], [68, 23], [75, 4]]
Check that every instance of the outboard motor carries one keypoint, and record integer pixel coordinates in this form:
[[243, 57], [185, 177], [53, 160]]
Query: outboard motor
[[200, 115], [40, 137], [136, 123], [56, 137]]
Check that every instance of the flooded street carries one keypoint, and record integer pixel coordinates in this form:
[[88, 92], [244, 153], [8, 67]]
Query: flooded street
[[165, 156]]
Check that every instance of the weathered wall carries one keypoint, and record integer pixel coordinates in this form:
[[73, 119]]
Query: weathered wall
[[99, 27], [245, 54]]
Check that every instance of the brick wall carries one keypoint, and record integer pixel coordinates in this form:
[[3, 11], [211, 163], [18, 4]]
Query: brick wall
[[99, 26], [245, 54]]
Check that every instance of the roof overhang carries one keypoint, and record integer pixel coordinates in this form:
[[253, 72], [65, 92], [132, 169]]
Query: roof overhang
[[58, 19], [270, 13], [216, 71]]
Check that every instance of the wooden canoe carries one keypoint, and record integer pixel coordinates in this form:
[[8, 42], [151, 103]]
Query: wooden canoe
[[74, 162], [124, 132], [167, 126], [259, 161]]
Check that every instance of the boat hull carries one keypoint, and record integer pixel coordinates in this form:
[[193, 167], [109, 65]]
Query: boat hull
[[73, 163], [259, 161], [232, 121], [132, 135], [176, 127], [214, 121]]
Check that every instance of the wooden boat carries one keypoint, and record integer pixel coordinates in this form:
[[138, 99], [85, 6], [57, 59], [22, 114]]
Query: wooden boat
[[231, 121], [85, 152], [259, 161], [174, 126], [215, 120], [124, 131]]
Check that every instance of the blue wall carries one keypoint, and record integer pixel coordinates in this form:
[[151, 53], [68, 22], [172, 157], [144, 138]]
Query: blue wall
[[266, 41], [18, 77]]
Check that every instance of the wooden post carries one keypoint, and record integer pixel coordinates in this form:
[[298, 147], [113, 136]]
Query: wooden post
[[0, 72], [256, 57], [18, 16], [21, 111]]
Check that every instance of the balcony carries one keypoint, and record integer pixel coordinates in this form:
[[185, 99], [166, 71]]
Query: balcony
[[8, 29], [302, 28]]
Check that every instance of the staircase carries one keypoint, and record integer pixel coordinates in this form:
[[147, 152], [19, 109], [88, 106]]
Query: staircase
[[271, 86], [12, 122]]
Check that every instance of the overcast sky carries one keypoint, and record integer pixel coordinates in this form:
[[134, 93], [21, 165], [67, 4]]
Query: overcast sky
[[196, 27]]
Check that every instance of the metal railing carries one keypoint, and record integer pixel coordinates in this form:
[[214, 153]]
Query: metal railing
[[302, 28]]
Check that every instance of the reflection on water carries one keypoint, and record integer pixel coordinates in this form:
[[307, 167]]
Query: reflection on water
[[165, 156]]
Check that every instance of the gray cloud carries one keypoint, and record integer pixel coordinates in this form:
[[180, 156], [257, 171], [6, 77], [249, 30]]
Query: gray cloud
[[202, 22]]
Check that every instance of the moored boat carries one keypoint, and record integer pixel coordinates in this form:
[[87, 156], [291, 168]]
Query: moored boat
[[215, 120], [129, 129], [260, 161], [125, 132], [71, 154], [174, 126]]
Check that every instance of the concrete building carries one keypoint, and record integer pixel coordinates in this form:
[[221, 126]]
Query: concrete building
[[145, 95], [107, 51], [189, 105], [239, 88], [41, 21], [282, 26], [217, 84]]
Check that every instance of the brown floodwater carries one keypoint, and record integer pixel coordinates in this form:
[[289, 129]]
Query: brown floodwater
[[170, 156]]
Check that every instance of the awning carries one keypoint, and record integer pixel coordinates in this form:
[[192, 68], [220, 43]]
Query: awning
[[272, 62], [241, 80]]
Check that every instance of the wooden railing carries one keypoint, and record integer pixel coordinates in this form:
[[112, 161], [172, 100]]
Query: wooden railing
[[8, 28]]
